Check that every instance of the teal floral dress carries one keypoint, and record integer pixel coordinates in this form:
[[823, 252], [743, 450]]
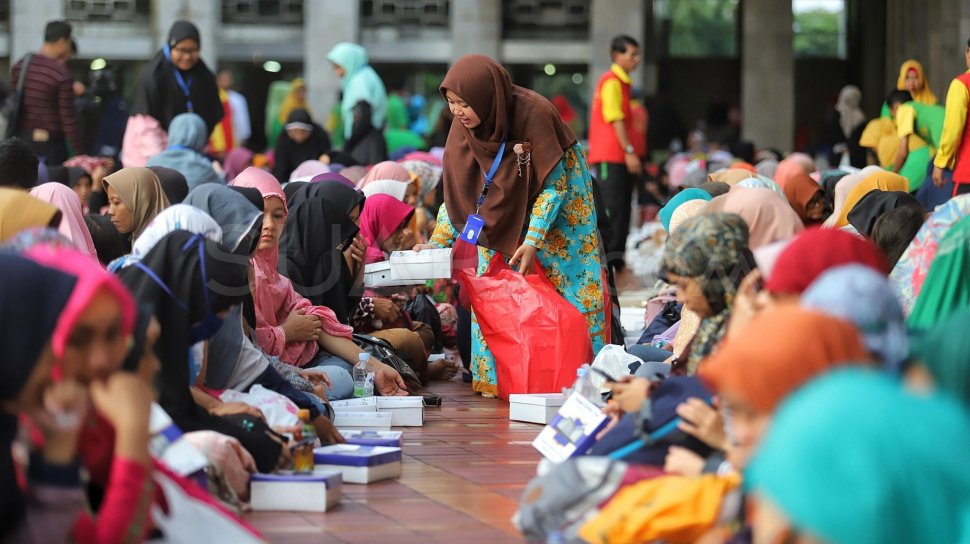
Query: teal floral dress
[[562, 227]]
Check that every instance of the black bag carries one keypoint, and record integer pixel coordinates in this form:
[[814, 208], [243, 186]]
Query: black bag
[[11, 107], [422, 308], [663, 321], [384, 353]]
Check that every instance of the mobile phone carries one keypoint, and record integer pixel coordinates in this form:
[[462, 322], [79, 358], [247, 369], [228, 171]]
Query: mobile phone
[[609, 378], [432, 400]]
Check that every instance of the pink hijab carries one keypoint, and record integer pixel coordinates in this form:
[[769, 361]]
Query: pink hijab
[[381, 216], [72, 225], [793, 165], [386, 170], [91, 280], [769, 216], [273, 295]]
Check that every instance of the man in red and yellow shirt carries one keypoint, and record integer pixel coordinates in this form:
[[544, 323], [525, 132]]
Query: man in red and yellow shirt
[[614, 151], [954, 151]]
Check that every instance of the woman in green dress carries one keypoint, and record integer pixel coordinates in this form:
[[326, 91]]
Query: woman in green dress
[[539, 207]]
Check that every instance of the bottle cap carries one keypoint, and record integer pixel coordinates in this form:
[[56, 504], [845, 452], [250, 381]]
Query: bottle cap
[[363, 356], [303, 414]]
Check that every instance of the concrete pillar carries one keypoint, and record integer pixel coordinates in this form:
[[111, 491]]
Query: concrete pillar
[[768, 73], [326, 23], [476, 27], [205, 14], [609, 18], [27, 21]]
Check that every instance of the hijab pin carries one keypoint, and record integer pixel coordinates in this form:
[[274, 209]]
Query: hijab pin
[[523, 154]]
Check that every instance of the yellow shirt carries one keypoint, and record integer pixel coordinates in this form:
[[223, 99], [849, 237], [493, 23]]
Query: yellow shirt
[[957, 99], [612, 95]]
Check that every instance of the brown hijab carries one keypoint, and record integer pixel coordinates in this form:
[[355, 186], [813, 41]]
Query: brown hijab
[[508, 112], [141, 191]]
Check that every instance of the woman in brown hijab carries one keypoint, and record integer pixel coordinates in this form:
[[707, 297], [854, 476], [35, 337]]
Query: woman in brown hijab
[[135, 197], [538, 207]]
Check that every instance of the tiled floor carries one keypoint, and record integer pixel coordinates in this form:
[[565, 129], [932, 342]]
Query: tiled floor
[[463, 474]]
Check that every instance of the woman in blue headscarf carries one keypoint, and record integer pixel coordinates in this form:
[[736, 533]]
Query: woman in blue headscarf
[[187, 137], [360, 83], [684, 196]]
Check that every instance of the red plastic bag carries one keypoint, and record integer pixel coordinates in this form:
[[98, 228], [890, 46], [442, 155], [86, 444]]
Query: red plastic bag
[[537, 337]]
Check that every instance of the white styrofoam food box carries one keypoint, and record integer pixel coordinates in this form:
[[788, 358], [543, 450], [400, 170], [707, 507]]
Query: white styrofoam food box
[[379, 275], [428, 264], [362, 420], [361, 404], [316, 492], [405, 411], [360, 464], [534, 407]]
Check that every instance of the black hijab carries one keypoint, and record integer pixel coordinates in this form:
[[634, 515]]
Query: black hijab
[[108, 242], [75, 174], [318, 229], [60, 174], [828, 182], [138, 335], [173, 183], [158, 92], [875, 204], [32, 298], [289, 154]]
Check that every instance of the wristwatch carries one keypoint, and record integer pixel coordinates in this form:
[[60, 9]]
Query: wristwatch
[[629, 149]]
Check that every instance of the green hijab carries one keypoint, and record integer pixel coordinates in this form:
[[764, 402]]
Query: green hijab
[[854, 458], [945, 351], [947, 285], [686, 195]]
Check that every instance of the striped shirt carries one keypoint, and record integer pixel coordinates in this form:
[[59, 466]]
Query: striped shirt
[[48, 101]]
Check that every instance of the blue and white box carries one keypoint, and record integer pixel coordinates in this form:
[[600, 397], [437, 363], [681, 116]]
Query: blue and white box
[[318, 491], [572, 431], [390, 439], [360, 464]]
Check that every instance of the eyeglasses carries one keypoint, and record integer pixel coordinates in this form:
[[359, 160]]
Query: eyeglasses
[[185, 51]]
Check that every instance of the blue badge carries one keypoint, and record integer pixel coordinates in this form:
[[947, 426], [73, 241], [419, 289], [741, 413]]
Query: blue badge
[[472, 229]]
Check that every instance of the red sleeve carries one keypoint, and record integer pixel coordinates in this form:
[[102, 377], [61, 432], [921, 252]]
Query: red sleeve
[[123, 516]]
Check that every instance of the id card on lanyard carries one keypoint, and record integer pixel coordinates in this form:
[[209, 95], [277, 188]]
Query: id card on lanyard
[[186, 86], [475, 222]]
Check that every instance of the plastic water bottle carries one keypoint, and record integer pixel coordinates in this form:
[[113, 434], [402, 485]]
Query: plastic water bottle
[[584, 385], [363, 377]]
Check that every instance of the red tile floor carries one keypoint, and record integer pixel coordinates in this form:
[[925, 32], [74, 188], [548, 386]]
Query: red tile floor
[[463, 474]]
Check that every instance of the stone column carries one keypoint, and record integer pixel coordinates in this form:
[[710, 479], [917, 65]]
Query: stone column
[[27, 21], [609, 18], [476, 27], [767, 73], [326, 23], [205, 14]]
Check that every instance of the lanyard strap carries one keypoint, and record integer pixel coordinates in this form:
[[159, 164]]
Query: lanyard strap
[[490, 176], [186, 86], [198, 240]]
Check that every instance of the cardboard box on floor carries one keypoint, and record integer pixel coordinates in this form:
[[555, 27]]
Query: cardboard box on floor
[[404, 411], [534, 407], [360, 464], [318, 491]]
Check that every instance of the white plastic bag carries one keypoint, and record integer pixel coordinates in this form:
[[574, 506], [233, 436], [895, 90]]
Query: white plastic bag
[[192, 520], [615, 361], [278, 410]]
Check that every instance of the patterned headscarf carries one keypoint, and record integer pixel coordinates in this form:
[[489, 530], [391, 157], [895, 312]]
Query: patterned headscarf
[[712, 250]]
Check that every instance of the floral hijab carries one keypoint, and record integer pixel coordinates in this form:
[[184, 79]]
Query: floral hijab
[[713, 250]]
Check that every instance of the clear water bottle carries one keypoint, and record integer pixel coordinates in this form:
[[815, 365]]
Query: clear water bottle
[[363, 377], [584, 385]]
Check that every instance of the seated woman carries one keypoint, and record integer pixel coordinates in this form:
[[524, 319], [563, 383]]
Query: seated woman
[[301, 140], [20, 211], [192, 285], [392, 179], [384, 226], [72, 225], [51, 384], [135, 197], [288, 326], [187, 138]]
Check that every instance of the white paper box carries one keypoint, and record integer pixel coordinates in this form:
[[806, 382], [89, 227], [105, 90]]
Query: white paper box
[[360, 464], [534, 407], [572, 431], [405, 411], [362, 420], [316, 492], [379, 275], [429, 264], [363, 404]]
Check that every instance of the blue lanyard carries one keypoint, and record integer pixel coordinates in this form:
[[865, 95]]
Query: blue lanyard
[[490, 176], [186, 86]]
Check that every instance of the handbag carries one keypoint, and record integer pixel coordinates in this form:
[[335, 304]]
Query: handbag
[[11, 108], [383, 352]]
